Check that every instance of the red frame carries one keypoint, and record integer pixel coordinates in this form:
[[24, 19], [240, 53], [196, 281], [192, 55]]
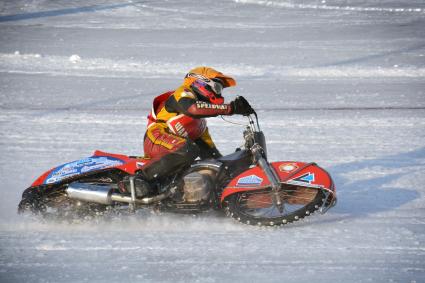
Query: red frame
[[287, 171]]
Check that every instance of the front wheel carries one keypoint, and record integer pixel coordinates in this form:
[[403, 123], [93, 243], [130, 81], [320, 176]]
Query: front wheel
[[257, 207]]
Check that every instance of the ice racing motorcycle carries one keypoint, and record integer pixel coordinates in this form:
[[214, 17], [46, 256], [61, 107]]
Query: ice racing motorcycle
[[244, 184]]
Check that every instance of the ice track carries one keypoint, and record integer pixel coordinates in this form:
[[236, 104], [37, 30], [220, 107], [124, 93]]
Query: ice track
[[338, 82]]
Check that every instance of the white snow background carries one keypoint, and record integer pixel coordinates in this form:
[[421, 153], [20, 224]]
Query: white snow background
[[338, 82]]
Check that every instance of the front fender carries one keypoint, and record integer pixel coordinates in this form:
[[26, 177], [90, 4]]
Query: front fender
[[289, 172]]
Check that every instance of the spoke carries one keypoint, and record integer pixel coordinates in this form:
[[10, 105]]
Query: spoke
[[260, 204]]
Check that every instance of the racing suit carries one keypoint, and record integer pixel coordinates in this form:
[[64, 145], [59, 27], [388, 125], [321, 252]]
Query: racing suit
[[177, 131]]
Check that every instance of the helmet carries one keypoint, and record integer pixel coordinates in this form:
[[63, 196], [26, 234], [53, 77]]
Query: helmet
[[208, 83]]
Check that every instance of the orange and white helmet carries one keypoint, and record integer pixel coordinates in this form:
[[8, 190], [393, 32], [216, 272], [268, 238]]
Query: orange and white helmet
[[208, 83]]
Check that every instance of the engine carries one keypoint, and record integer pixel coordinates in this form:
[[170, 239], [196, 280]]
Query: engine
[[196, 188]]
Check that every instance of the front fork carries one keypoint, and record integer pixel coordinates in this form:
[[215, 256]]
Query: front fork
[[271, 175]]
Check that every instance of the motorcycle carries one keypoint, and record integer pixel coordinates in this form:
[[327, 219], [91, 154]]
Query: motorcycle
[[244, 184]]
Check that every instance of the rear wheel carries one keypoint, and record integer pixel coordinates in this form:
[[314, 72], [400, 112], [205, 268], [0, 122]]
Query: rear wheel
[[52, 202], [257, 207]]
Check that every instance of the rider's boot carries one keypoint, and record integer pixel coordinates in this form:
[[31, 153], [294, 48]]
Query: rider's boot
[[141, 187]]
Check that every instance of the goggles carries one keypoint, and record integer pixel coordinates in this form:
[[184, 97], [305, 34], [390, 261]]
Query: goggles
[[214, 85], [211, 90]]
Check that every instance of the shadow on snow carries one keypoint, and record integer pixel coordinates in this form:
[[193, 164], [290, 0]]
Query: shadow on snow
[[376, 194]]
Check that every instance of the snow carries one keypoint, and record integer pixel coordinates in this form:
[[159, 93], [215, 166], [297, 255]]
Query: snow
[[338, 82], [74, 58]]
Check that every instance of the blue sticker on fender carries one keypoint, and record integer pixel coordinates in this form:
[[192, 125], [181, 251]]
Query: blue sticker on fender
[[306, 178], [250, 181], [82, 166]]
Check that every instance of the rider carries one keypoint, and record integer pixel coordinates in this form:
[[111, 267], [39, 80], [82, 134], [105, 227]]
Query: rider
[[177, 133]]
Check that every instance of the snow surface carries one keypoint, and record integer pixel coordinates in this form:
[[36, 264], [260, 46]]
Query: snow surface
[[338, 82]]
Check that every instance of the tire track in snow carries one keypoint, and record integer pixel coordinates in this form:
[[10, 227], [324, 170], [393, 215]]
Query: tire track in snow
[[104, 67], [289, 5]]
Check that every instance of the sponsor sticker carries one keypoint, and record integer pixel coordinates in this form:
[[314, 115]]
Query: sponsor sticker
[[204, 105], [140, 164], [82, 166], [95, 167], [181, 130], [250, 181], [287, 167]]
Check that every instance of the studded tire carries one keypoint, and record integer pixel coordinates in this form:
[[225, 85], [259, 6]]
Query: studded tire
[[237, 209], [52, 202]]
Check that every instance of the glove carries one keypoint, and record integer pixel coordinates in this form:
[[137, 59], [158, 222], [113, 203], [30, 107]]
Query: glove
[[241, 106]]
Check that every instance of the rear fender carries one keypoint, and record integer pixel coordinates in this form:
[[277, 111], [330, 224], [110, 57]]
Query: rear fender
[[289, 172], [99, 161]]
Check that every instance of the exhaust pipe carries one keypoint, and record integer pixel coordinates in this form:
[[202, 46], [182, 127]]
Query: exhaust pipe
[[147, 200], [90, 192], [104, 194]]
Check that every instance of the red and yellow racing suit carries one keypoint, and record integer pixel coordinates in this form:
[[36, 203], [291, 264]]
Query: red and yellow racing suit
[[177, 130]]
